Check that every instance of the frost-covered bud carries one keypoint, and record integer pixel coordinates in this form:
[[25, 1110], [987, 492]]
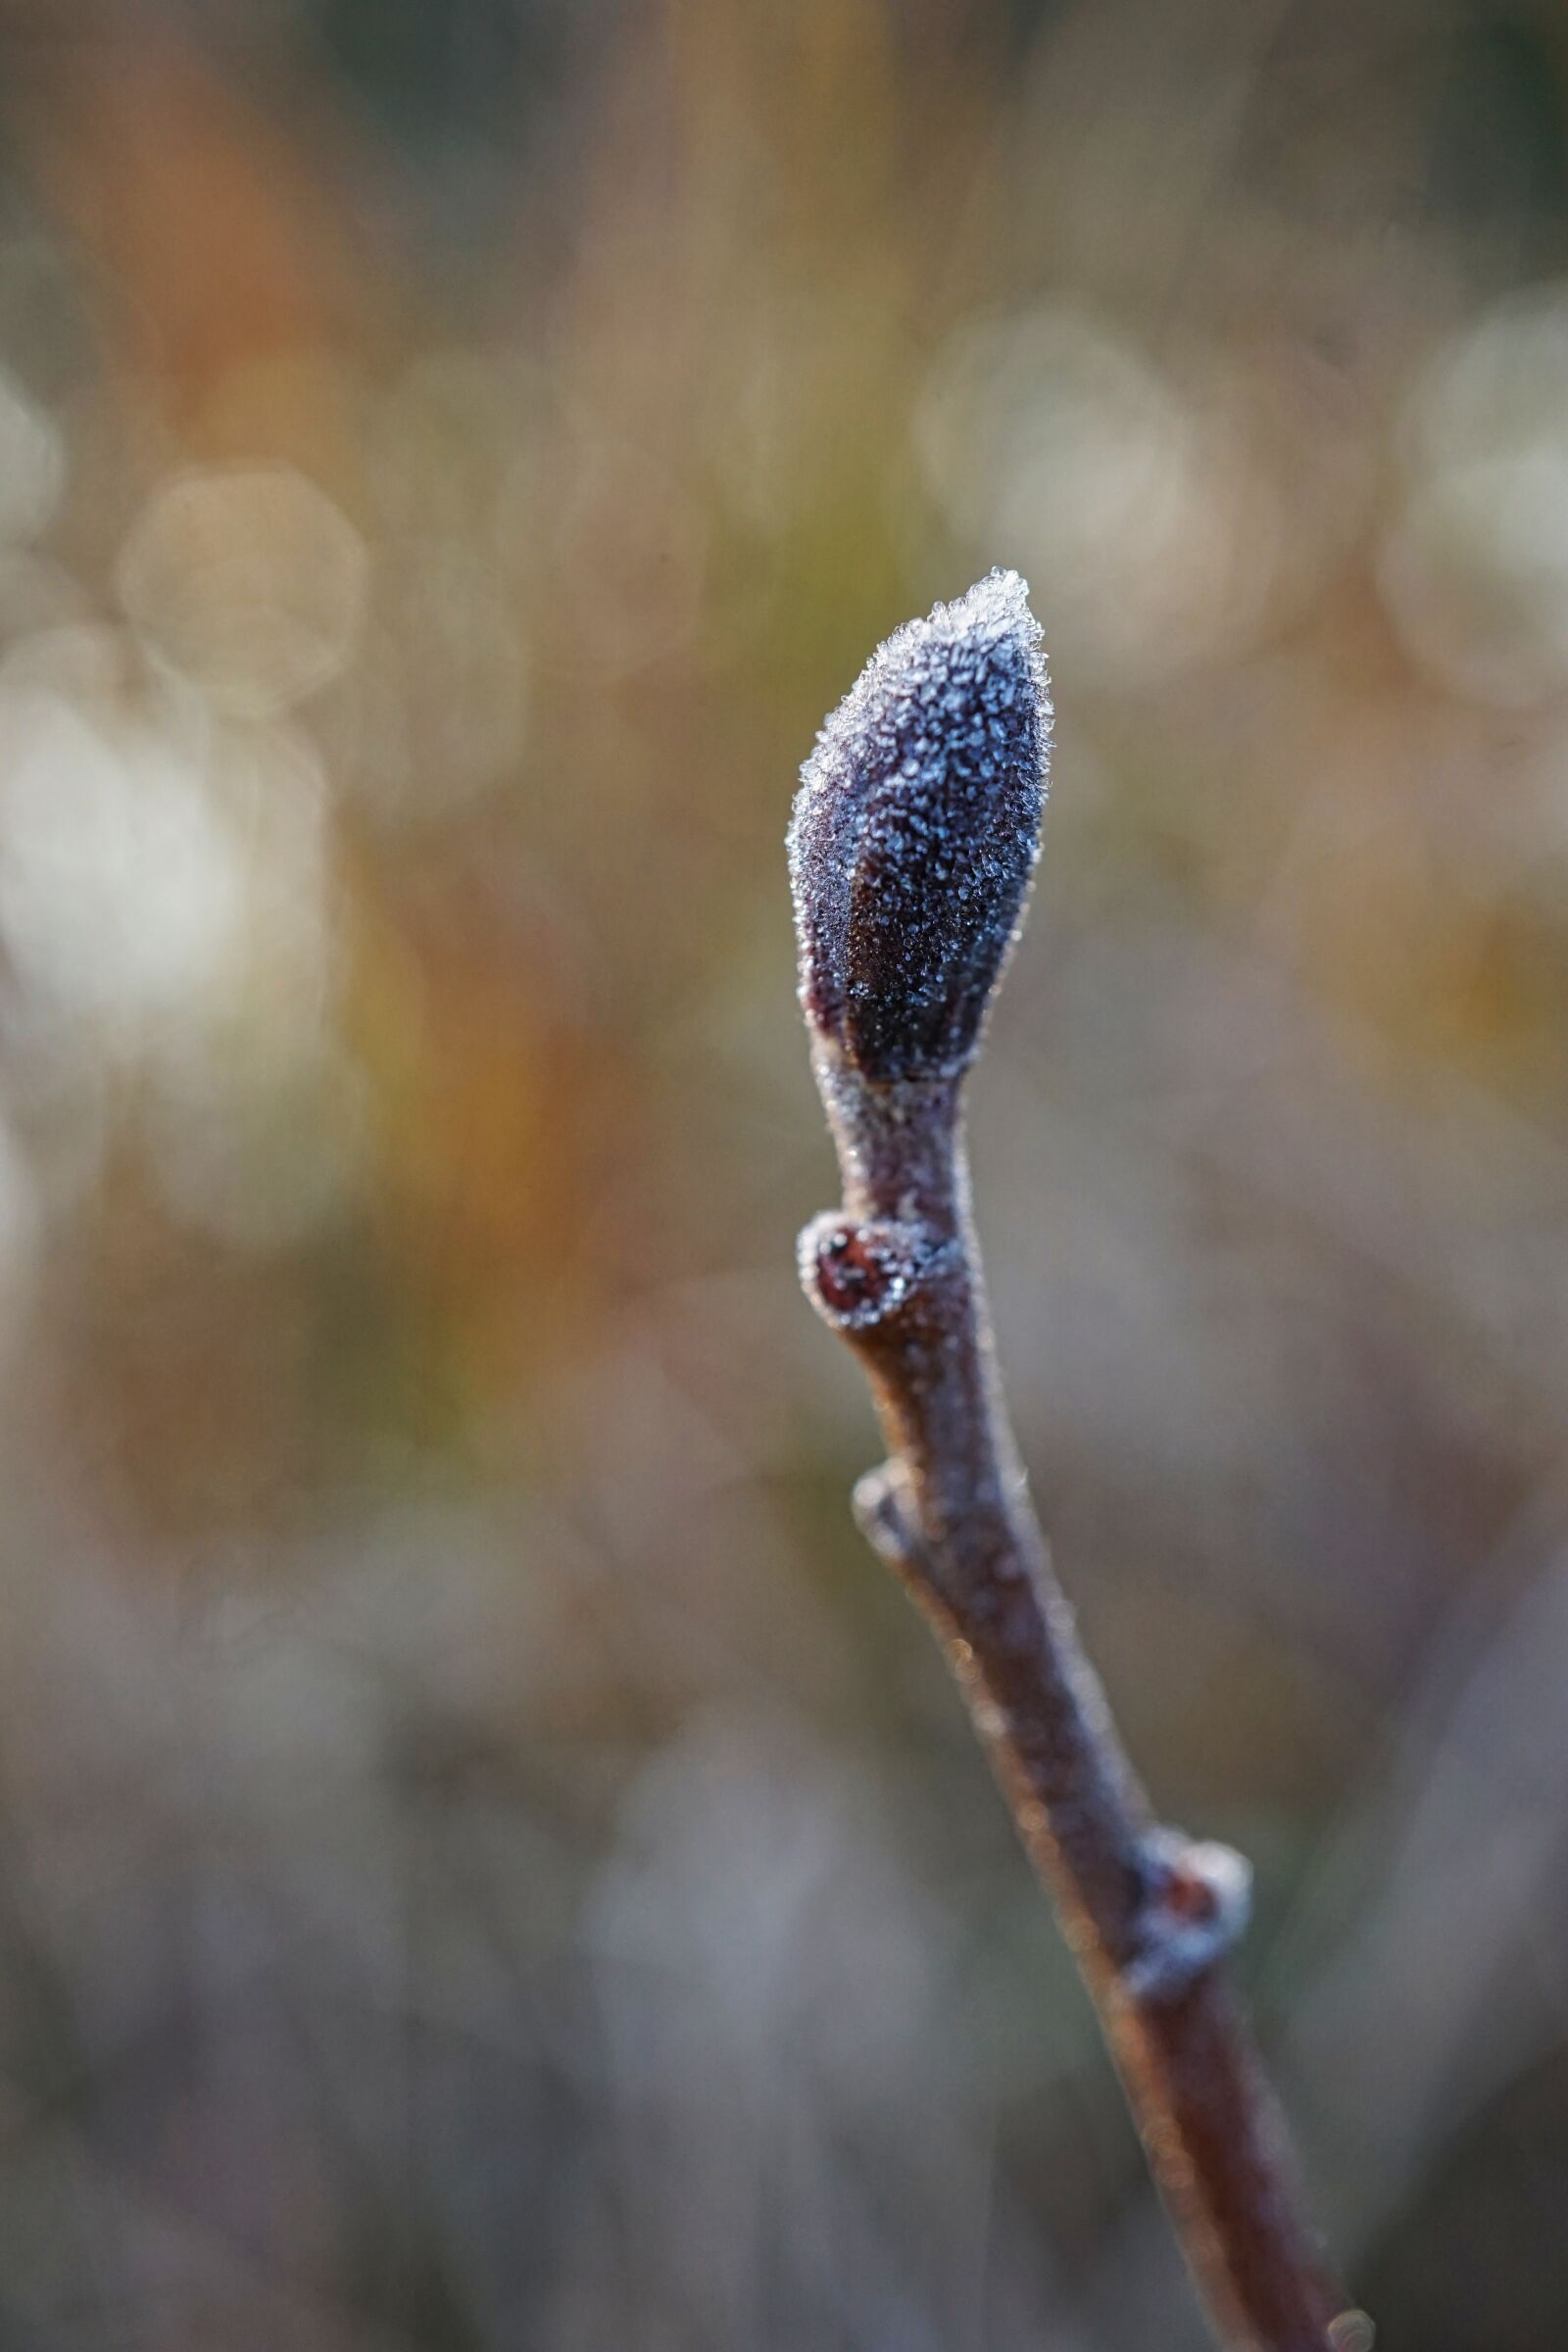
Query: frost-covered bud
[[859, 1275], [915, 831]]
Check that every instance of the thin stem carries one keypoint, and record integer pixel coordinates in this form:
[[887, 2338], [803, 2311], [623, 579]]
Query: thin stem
[[1148, 1913]]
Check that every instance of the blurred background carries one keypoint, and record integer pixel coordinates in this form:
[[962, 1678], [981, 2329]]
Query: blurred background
[[486, 1858]]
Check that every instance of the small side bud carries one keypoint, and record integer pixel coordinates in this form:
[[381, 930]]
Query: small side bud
[[884, 1516], [915, 832], [858, 1275], [1197, 1898]]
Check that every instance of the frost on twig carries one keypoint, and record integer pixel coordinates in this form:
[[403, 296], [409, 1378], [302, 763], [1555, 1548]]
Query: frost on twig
[[911, 849]]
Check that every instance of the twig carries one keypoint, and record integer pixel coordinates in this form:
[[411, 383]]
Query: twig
[[912, 850]]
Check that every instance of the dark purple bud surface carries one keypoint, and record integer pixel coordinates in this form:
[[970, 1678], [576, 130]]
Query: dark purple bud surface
[[915, 832]]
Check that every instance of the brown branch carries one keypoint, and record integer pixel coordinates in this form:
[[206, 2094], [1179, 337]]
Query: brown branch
[[908, 894]]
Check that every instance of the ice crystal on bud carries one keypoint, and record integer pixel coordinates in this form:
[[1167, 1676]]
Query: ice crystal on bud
[[915, 831]]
